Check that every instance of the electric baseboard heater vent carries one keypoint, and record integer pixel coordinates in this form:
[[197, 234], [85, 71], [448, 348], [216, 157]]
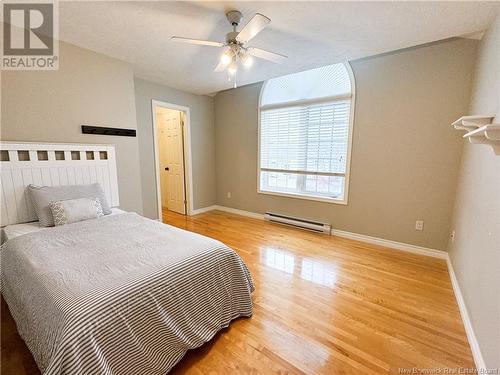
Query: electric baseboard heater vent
[[298, 222]]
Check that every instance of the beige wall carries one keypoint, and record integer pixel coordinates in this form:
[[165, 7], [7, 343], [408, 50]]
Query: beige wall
[[88, 88], [475, 253], [405, 154], [202, 142]]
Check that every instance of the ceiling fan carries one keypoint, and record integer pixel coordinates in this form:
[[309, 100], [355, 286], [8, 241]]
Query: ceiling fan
[[235, 45]]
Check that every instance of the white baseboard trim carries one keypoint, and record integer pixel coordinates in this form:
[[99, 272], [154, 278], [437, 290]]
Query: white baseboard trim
[[471, 336], [358, 237], [236, 211], [202, 210], [392, 244]]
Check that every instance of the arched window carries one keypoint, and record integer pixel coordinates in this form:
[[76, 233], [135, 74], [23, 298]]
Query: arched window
[[305, 134]]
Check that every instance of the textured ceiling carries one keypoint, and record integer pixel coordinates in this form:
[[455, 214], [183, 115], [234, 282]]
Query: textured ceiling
[[312, 34]]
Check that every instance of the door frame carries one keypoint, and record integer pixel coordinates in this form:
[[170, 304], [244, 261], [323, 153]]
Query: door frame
[[186, 135]]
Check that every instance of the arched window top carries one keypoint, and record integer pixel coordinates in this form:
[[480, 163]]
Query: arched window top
[[327, 81]]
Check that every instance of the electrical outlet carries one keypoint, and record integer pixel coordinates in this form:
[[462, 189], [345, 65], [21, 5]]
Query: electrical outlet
[[419, 225], [228, 195], [452, 236]]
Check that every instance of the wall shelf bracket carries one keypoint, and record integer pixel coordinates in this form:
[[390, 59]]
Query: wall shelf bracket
[[480, 130]]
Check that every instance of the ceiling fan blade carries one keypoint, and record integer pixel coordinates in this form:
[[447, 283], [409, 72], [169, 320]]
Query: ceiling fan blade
[[220, 67], [266, 55], [196, 41], [253, 27]]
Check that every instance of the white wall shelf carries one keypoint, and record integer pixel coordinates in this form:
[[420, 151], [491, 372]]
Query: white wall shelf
[[480, 130], [487, 135], [470, 123]]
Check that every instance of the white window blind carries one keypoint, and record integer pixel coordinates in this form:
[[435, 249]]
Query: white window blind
[[304, 146]]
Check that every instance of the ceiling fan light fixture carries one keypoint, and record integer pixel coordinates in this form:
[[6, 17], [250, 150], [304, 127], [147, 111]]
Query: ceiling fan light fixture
[[247, 61], [226, 57], [236, 52], [232, 68]]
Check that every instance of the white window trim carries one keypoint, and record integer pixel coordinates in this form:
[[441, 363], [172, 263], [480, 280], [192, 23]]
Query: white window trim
[[344, 201]]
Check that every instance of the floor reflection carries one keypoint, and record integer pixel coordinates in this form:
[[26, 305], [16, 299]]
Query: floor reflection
[[318, 272], [278, 259], [309, 269]]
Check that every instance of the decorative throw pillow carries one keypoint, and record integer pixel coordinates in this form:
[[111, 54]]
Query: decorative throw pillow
[[41, 196], [73, 210]]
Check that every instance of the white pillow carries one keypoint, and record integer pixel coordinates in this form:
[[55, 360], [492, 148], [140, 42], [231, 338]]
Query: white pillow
[[73, 210], [41, 196]]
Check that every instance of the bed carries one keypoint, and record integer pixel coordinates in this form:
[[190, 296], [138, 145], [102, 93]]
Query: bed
[[119, 294]]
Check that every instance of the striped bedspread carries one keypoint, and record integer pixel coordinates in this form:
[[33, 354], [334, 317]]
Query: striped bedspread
[[121, 294]]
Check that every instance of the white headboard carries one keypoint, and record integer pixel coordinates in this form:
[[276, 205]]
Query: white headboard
[[52, 164]]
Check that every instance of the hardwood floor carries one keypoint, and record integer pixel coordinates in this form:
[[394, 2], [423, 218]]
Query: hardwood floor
[[322, 305]]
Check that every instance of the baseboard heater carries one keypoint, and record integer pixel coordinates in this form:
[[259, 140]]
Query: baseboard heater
[[313, 225]]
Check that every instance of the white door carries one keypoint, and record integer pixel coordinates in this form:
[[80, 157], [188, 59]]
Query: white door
[[161, 122], [171, 160]]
